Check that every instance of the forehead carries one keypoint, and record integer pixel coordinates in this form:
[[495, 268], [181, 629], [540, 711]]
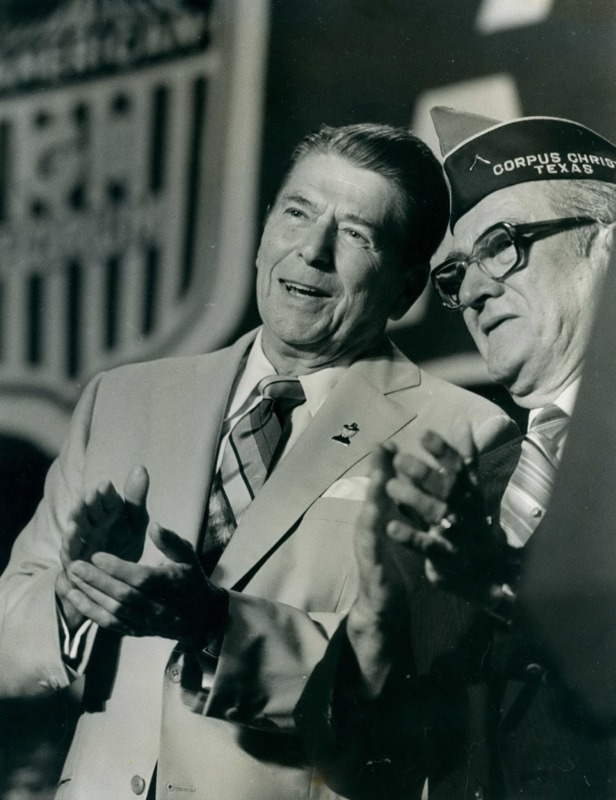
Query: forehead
[[525, 202], [327, 178]]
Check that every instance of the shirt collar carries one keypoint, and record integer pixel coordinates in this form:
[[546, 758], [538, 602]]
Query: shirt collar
[[565, 401], [316, 385], [256, 367]]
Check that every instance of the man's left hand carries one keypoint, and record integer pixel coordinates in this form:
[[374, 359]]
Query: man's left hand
[[442, 517], [174, 600]]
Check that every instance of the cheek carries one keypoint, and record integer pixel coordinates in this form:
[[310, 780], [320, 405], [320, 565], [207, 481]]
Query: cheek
[[364, 276], [470, 320], [268, 256], [274, 243]]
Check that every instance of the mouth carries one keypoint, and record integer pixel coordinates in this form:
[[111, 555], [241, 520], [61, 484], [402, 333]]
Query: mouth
[[495, 322], [302, 289]]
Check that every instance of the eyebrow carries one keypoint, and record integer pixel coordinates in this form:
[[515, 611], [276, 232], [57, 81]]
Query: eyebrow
[[458, 255], [348, 217], [363, 221], [300, 200]]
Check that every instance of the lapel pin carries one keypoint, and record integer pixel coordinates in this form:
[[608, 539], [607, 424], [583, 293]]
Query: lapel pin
[[346, 433]]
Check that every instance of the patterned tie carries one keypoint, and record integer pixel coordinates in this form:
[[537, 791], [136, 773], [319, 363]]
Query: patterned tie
[[250, 453], [528, 491]]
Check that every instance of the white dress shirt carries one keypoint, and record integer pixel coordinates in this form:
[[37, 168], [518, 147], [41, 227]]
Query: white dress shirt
[[244, 396]]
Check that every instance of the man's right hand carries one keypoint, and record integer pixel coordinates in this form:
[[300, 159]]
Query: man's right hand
[[378, 624], [103, 522]]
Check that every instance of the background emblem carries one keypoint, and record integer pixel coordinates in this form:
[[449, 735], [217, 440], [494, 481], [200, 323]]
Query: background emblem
[[120, 199]]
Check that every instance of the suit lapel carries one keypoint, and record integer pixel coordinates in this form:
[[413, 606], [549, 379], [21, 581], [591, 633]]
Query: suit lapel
[[316, 460], [187, 416]]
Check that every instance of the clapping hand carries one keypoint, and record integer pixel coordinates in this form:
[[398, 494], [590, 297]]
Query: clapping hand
[[101, 581], [174, 599], [441, 515], [103, 521], [378, 621]]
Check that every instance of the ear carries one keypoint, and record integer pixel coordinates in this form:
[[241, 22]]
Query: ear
[[412, 285]]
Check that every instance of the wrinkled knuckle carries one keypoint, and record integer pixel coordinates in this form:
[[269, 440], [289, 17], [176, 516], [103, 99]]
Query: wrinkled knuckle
[[125, 595], [405, 464], [114, 611], [419, 471], [108, 620], [76, 597], [400, 492]]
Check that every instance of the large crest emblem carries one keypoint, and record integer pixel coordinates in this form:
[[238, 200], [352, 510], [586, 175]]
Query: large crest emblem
[[128, 141]]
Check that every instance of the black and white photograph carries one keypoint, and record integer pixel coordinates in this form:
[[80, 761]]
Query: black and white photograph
[[307, 324]]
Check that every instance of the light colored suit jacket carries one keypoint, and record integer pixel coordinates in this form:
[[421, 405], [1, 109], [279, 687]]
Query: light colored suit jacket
[[289, 567]]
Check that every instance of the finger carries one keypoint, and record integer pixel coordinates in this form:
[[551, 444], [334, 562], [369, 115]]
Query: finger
[[447, 456], [135, 496], [171, 545], [434, 481], [421, 508], [433, 574], [102, 505], [135, 575], [427, 544], [99, 615], [90, 516], [377, 508], [92, 507], [380, 469], [105, 589], [120, 610], [462, 435], [403, 533], [370, 527], [72, 543], [110, 500], [79, 515]]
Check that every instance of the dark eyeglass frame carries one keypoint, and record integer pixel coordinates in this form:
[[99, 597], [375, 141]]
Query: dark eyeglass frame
[[522, 237]]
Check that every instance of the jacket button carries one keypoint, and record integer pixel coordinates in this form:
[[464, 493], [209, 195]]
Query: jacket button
[[175, 673], [137, 784], [534, 670]]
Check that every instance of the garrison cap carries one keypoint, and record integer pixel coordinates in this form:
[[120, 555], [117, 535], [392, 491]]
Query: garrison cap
[[483, 155]]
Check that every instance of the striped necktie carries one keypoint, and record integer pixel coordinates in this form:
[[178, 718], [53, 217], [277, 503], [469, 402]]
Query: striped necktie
[[528, 491], [254, 444]]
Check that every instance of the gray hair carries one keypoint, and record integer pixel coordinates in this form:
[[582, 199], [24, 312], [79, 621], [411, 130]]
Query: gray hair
[[586, 198]]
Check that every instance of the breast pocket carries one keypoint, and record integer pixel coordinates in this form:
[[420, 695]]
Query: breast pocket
[[314, 567]]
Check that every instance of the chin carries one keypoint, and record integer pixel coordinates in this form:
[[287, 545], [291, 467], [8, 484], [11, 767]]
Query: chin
[[507, 377]]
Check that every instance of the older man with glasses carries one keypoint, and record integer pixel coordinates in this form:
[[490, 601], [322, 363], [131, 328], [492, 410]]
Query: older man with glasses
[[434, 676]]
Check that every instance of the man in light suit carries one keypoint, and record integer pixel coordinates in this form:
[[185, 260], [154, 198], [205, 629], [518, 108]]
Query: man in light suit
[[449, 683], [194, 653]]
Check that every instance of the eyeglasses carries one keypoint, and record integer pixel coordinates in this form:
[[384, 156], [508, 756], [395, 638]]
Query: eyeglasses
[[500, 250]]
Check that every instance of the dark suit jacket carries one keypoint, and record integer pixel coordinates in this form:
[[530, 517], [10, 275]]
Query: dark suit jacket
[[569, 587], [469, 705]]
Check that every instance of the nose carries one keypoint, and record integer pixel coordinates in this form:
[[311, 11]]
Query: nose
[[317, 245], [477, 287]]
